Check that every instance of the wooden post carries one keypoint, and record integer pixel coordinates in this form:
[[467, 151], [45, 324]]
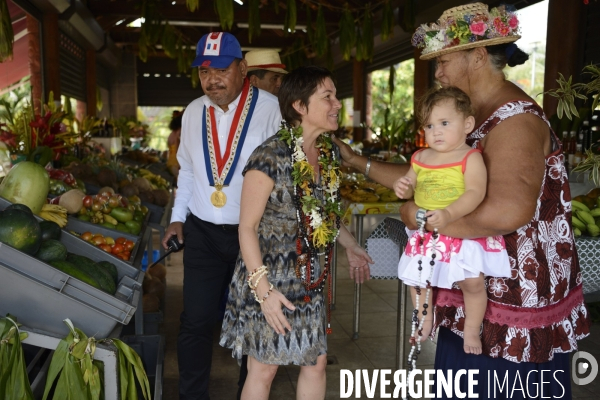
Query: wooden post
[[90, 84], [358, 90], [51, 57], [35, 63], [423, 70], [562, 46]]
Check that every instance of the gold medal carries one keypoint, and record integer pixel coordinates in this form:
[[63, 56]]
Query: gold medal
[[218, 198]]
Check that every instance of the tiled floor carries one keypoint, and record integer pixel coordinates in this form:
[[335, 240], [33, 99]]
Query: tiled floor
[[376, 347]]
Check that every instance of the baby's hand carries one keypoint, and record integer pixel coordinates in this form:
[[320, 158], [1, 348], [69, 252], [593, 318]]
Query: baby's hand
[[438, 218], [402, 186]]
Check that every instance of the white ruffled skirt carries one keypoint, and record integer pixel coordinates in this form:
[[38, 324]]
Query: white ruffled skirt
[[454, 261]]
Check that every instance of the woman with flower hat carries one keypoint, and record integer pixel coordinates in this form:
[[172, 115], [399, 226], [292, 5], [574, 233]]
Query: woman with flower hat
[[535, 317], [289, 220]]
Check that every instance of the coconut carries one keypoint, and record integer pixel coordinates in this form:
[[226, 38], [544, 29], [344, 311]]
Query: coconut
[[161, 197], [146, 196], [142, 184], [156, 287], [107, 177], [72, 201], [130, 190], [106, 189], [159, 271]]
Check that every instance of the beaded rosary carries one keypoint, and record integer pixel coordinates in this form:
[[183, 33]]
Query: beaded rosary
[[318, 216], [417, 325]]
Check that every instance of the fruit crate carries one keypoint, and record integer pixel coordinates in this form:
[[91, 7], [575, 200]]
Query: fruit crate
[[78, 226], [151, 349], [43, 296]]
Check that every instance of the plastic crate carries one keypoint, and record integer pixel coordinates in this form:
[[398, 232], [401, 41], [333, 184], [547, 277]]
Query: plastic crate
[[151, 349], [42, 296], [156, 212]]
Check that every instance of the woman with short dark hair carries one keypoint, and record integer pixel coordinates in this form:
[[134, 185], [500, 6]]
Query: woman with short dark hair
[[289, 222]]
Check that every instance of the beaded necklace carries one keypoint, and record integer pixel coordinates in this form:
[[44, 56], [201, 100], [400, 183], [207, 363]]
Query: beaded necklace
[[417, 325], [318, 209]]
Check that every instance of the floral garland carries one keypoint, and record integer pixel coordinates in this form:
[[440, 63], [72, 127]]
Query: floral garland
[[321, 216], [466, 27], [318, 217]]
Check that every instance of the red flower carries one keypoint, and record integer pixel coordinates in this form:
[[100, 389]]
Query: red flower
[[517, 346], [561, 339], [513, 22], [530, 271], [501, 28]]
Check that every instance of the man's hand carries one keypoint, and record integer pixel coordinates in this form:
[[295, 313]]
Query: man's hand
[[403, 186], [346, 152], [174, 229]]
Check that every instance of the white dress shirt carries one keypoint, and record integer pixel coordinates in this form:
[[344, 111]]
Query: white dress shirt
[[193, 191]]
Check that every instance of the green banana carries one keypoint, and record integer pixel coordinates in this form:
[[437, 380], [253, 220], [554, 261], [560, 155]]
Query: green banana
[[595, 212], [110, 219], [593, 230], [576, 232], [576, 222], [585, 217], [577, 205]]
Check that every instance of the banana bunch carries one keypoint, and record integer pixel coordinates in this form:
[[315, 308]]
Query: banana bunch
[[386, 195], [55, 213], [584, 220], [155, 180]]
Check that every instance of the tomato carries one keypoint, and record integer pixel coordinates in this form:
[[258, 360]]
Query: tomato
[[123, 257], [114, 201], [96, 205], [105, 247], [126, 255], [88, 201], [117, 248], [129, 245], [99, 240], [120, 240], [86, 236]]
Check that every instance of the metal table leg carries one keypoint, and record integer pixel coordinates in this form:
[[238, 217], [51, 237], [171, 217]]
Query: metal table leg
[[401, 325], [357, 286]]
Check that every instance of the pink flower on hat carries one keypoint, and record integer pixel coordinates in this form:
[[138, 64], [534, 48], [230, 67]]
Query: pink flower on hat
[[513, 22], [501, 28], [478, 28]]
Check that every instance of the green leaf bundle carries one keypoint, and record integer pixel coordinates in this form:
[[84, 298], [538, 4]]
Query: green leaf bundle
[[169, 41], [14, 383], [253, 19], [321, 39], [192, 5], [225, 11], [347, 33], [7, 36], [387, 21], [364, 42], [289, 24]]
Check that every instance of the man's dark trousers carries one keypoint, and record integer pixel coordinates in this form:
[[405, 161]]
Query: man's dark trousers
[[208, 261]]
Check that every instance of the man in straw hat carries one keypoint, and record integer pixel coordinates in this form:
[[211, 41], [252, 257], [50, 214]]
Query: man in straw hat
[[536, 316], [265, 70], [220, 130]]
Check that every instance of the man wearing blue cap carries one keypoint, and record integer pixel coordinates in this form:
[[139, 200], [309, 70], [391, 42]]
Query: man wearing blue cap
[[219, 132]]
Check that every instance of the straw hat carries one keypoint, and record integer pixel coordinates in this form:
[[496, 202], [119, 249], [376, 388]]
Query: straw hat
[[466, 27], [265, 59]]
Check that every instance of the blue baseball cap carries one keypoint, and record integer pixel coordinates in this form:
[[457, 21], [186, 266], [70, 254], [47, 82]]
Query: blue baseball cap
[[217, 50]]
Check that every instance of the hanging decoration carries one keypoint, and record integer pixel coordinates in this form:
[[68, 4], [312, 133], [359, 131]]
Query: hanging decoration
[[310, 29], [276, 6], [253, 19], [387, 22], [7, 36], [169, 41], [365, 37], [347, 33], [225, 11], [192, 5], [407, 15], [321, 38], [289, 25]]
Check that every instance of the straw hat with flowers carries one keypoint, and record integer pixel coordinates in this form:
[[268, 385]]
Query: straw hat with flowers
[[466, 27]]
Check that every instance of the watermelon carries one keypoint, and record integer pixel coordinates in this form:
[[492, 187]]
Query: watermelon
[[26, 183], [17, 206], [52, 250], [20, 230], [50, 230]]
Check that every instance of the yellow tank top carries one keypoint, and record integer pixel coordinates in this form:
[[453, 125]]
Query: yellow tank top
[[438, 186]]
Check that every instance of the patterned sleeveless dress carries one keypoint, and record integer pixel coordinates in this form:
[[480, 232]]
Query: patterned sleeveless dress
[[245, 329], [539, 310], [456, 259]]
